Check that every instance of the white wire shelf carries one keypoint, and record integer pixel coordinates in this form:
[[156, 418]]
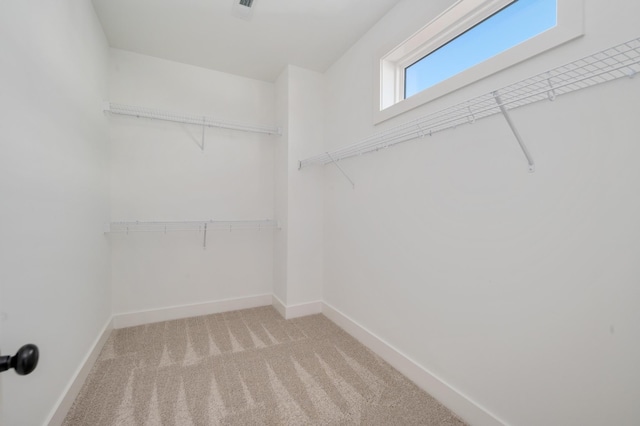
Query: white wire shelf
[[610, 64], [199, 120], [198, 226]]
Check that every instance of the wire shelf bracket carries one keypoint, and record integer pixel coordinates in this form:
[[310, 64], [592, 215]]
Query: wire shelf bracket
[[607, 65], [532, 166], [353, 185], [203, 227], [197, 120]]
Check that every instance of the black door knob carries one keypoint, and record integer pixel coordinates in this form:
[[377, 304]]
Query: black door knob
[[24, 361]]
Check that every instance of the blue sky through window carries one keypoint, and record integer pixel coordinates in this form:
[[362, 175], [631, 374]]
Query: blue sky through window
[[512, 25]]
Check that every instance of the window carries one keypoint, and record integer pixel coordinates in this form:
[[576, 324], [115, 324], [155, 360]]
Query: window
[[469, 41], [508, 27]]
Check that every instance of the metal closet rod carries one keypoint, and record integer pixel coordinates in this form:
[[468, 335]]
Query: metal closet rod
[[607, 65], [199, 120]]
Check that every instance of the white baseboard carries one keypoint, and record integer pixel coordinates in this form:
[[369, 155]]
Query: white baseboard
[[73, 388], [280, 306], [457, 402], [131, 319], [304, 309], [296, 311]]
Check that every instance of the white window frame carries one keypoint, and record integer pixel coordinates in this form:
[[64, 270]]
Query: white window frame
[[460, 17]]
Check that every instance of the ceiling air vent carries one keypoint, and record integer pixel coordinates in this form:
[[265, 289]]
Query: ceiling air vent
[[243, 9]]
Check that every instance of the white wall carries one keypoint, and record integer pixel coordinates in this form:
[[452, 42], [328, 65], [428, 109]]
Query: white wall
[[306, 201], [299, 198], [519, 290], [159, 172], [54, 257]]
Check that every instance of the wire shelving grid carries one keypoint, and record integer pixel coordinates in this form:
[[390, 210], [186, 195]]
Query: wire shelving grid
[[199, 226], [610, 64], [199, 120]]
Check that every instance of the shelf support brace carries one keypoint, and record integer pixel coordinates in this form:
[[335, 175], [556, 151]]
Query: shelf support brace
[[532, 166], [552, 91], [353, 185], [471, 118], [204, 120], [204, 241]]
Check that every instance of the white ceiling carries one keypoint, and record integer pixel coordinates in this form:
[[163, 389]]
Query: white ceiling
[[308, 33]]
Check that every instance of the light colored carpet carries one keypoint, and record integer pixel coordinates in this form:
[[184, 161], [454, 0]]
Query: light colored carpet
[[248, 367]]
